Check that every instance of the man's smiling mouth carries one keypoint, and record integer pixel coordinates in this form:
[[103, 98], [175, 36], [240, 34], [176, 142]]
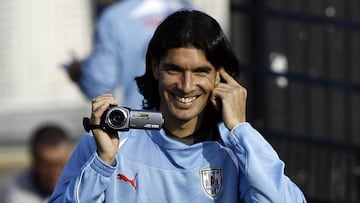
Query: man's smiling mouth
[[185, 100]]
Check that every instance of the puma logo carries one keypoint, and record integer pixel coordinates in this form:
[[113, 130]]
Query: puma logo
[[126, 179]]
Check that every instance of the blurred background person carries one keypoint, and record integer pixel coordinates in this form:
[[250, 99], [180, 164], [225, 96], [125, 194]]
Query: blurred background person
[[50, 148], [100, 5], [36, 37], [121, 36]]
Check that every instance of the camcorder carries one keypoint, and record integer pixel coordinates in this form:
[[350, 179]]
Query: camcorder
[[119, 118]]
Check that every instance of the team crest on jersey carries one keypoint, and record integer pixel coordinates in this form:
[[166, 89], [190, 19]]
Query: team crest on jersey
[[212, 181]]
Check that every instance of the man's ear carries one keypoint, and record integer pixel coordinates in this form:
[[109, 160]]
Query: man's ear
[[155, 70]]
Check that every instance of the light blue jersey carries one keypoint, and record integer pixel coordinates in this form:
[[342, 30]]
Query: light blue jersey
[[152, 167], [121, 37]]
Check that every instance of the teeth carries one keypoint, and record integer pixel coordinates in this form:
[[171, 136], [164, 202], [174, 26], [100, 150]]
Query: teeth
[[185, 99]]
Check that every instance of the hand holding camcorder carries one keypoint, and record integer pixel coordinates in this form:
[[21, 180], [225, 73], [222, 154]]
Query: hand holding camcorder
[[117, 118]]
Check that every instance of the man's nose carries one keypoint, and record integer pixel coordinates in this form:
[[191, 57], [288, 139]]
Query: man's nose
[[187, 82]]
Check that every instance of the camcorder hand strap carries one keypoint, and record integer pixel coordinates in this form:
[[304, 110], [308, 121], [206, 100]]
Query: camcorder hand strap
[[89, 126]]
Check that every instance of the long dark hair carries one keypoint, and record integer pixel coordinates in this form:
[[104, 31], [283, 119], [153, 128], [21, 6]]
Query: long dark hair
[[186, 28]]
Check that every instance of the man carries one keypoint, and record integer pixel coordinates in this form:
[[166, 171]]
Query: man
[[50, 149], [120, 40], [205, 151]]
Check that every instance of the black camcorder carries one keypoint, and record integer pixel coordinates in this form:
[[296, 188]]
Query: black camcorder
[[119, 118]]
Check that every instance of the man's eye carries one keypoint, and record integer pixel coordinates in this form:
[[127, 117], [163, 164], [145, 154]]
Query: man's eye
[[203, 71], [172, 70]]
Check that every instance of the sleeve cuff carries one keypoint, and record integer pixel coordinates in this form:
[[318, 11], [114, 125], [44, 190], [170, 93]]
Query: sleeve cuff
[[101, 167]]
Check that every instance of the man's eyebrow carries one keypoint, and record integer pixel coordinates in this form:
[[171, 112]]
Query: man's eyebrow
[[200, 68], [171, 65], [203, 68]]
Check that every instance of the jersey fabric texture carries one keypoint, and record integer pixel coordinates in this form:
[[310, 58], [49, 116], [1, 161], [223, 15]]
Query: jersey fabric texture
[[152, 167], [121, 37]]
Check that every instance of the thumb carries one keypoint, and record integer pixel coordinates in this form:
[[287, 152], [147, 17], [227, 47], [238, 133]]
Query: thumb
[[215, 101]]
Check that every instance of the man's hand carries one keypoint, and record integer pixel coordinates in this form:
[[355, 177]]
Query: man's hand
[[233, 100], [107, 145], [74, 70]]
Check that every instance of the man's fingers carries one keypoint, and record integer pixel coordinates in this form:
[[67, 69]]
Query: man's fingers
[[99, 105], [227, 77]]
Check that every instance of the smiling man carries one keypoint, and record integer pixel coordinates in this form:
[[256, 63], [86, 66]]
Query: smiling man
[[186, 80], [205, 151]]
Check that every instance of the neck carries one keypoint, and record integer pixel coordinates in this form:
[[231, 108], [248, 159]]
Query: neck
[[180, 128]]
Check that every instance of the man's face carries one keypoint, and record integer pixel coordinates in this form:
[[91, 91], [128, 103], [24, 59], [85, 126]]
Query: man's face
[[186, 79], [50, 163]]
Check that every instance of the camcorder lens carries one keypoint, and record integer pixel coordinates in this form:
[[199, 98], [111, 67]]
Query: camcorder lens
[[117, 118]]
